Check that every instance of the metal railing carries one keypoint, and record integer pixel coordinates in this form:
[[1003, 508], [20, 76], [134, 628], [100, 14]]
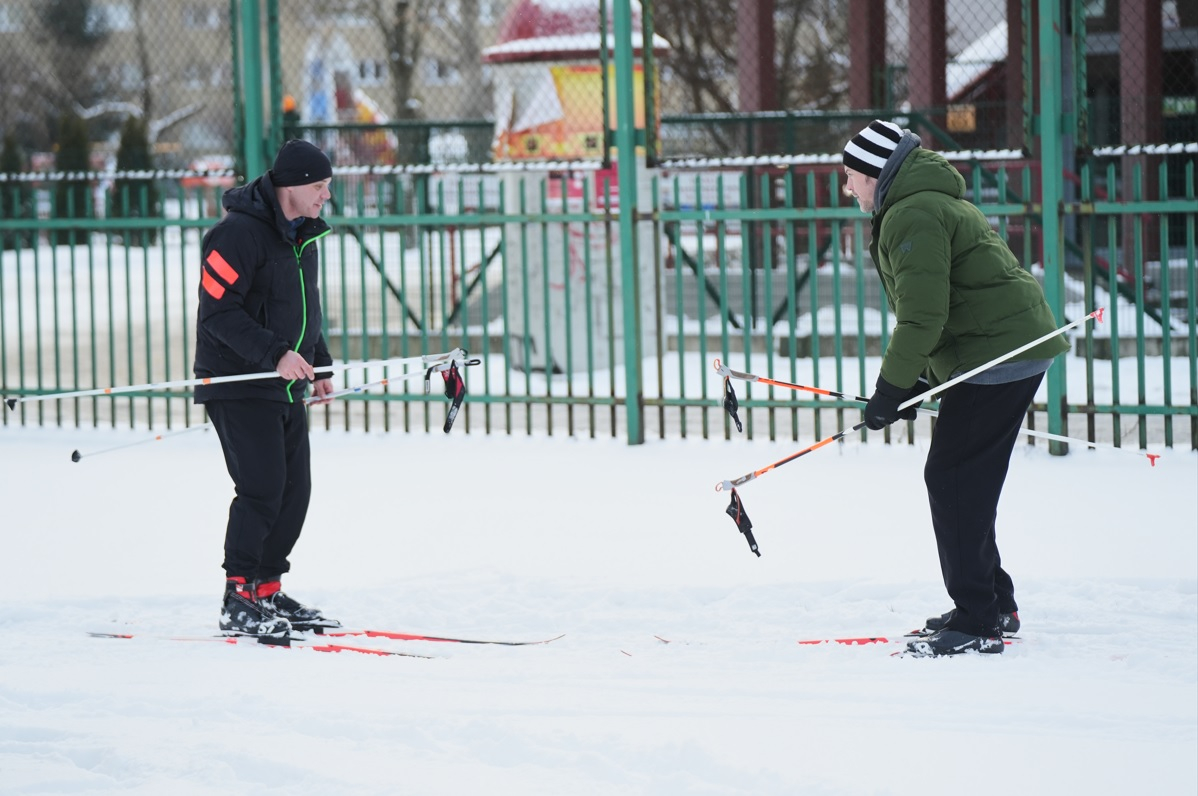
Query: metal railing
[[764, 266]]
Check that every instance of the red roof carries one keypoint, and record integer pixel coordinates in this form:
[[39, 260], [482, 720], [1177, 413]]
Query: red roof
[[535, 19], [550, 30]]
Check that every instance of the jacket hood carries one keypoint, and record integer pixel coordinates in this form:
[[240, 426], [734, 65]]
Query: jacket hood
[[256, 198], [259, 200], [923, 170]]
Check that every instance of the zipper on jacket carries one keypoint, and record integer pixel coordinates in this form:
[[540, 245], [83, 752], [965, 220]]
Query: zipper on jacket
[[299, 255]]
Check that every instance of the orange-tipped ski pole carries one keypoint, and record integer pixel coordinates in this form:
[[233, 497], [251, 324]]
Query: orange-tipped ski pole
[[736, 509], [730, 404], [747, 477], [729, 373]]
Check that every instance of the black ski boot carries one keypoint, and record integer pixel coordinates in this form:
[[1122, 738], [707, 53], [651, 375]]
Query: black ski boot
[[244, 614], [1008, 622], [302, 617], [954, 642]]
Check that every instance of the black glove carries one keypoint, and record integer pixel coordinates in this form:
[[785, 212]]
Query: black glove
[[883, 406]]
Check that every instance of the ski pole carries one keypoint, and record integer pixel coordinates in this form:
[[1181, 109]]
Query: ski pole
[[730, 406], [736, 508], [997, 360], [427, 359], [747, 477], [728, 373], [76, 456]]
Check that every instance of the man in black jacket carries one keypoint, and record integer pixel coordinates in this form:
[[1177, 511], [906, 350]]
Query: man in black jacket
[[259, 310]]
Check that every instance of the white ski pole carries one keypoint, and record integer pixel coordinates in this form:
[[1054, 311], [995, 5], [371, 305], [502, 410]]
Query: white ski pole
[[76, 456], [426, 360], [971, 373], [731, 484], [730, 405]]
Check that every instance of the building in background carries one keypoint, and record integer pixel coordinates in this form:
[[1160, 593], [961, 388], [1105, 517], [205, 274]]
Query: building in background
[[170, 61]]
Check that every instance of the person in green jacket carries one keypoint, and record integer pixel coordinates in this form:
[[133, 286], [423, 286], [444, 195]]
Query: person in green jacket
[[960, 299]]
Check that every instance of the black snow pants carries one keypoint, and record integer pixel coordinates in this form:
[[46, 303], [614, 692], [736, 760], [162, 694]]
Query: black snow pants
[[268, 456], [965, 470]]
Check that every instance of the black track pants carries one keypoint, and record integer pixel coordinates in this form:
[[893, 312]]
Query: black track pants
[[267, 453], [966, 467]]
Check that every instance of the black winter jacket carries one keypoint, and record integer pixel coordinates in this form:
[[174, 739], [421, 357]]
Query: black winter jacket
[[259, 296]]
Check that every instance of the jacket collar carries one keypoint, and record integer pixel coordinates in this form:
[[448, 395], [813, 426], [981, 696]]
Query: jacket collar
[[906, 145]]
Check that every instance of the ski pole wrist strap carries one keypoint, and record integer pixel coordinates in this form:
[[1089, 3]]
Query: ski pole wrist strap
[[455, 391], [736, 510], [731, 404]]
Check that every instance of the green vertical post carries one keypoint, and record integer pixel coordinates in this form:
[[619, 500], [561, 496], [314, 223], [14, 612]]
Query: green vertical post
[[1081, 100], [1028, 73], [626, 165], [1051, 191], [275, 99], [253, 119], [649, 59], [605, 83], [235, 51]]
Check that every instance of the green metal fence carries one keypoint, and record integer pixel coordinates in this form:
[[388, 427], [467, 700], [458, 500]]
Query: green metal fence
[[762, 266], [598, 296]]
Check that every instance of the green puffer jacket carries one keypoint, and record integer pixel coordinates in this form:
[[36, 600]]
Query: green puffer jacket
[[959, 295]]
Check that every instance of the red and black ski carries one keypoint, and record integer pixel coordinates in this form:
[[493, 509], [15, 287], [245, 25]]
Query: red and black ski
[[281, 643], [852, 641], [858, 640], [400, 636]]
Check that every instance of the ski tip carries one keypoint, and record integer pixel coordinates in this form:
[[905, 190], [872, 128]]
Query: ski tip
[[12, 402], [848, 642]]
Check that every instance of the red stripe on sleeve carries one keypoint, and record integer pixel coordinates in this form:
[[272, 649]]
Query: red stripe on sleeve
[[222, 267], [214, 288]]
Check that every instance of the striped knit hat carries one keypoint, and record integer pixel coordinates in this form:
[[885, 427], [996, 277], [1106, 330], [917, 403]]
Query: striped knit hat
[[869, 149]]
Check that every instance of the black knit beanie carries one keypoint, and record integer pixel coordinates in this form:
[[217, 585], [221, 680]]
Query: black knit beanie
[[868, 151], [300, 163]]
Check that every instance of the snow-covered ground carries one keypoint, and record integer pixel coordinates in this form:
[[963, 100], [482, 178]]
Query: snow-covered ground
[[525, 538]]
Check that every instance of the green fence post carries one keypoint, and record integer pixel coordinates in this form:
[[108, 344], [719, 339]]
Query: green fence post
[[253, 119], [275, 61], [1051, 191], [626, 164]]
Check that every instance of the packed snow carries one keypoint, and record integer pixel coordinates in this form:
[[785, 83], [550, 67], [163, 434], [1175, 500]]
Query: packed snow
[[618, 547]]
